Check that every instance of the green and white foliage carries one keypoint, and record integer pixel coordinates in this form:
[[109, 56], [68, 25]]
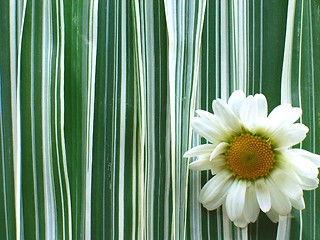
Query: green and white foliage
[[96, 99]]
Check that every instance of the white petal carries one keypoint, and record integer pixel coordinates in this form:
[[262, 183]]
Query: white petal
[[315, 158], [221, 148], [215, 123], [236, 100], [213, 186], [273, 215], [225, 113], [298, 203], [251, 207], [207, 115], [282, 115], [235, 199], [285, 166], [301, 165], [241, 222], [304, 179], [202, 163], [279, 201], [289, 135], [253, 112], [215, 131], [249, 114], [199, 150], [204, 130], [287, 183], [263, 195], [219, 162], [262, 105], [220, 197], [309, 183]]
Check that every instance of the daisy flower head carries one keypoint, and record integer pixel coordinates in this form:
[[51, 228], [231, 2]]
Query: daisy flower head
[[249, 154]]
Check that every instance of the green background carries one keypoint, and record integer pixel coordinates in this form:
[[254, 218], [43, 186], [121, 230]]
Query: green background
[[96, 99]]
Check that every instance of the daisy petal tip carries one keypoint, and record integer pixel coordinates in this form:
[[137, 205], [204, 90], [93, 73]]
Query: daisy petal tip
[[191, 166], [241, 223], [265, 209], [198, 111], [259, 95], [218, 103], [214, 102], [315, 158], [238, 93], [303, 127], [298, 110], [202, 198], [186, 155]]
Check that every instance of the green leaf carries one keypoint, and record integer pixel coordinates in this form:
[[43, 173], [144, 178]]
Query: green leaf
[[96, 99]]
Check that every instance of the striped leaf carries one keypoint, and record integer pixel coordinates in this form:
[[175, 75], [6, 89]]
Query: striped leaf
[[96, 99]]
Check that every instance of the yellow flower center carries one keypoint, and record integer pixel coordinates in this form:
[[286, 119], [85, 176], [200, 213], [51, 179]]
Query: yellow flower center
[[250, 156]]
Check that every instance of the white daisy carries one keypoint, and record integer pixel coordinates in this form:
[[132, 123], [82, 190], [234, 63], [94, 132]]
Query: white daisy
[[250, 157]]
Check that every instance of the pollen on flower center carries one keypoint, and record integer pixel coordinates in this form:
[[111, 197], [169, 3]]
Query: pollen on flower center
[[250, 156]]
